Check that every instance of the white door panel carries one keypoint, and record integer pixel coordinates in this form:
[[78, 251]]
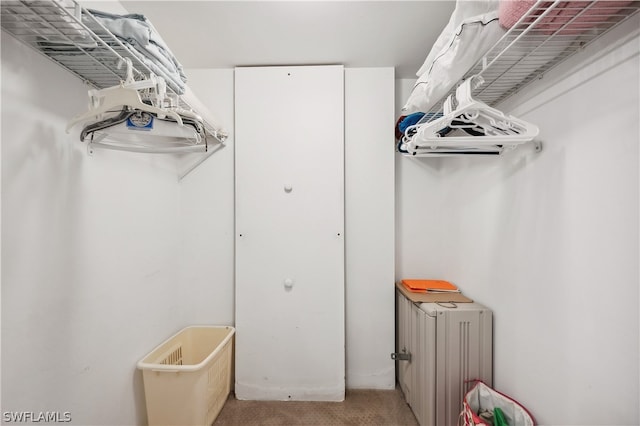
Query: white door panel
[[290, 233]]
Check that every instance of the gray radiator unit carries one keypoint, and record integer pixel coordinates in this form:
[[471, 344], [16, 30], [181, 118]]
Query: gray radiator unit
[[441, 347]]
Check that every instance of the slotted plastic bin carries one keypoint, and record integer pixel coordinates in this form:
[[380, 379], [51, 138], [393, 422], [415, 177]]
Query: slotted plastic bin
[[188, 377]]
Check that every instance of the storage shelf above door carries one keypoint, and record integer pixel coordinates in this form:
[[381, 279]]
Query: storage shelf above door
[[545, 35], [72, 37]]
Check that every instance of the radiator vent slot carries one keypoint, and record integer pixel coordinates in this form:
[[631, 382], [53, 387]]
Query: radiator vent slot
[[465, 348]]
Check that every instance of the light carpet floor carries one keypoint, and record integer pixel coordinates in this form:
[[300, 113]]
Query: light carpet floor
[[360, 407]]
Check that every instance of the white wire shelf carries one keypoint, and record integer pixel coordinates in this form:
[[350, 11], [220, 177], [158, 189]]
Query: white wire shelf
[[72, 37], [546, 35]]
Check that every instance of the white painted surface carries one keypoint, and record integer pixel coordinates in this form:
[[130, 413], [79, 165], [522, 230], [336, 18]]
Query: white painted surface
[[207, 213], [117, 216], [91, 254], [419, 232], [290, 233], [226, 34], [370, 239], [517, 209], [548, 241], [104, 256]]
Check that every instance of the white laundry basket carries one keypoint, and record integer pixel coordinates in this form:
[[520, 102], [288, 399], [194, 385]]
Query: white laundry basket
[[188, 377]]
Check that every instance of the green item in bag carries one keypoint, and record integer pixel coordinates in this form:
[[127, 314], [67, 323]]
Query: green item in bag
[[498, 417]]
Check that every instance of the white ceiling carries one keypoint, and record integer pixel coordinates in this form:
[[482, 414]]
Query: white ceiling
[[225, 34]]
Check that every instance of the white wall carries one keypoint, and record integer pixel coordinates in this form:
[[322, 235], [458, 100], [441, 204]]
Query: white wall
[[92, 251], [418, 209], [207, 200], [105, 256], [369, 221], [548, 241], [207, 213]]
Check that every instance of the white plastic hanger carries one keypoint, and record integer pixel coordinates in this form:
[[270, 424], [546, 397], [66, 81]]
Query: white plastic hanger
[[162, 132], [113, 99], [488, 125]]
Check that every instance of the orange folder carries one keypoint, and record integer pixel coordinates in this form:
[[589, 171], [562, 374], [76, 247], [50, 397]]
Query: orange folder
[[430, 286]]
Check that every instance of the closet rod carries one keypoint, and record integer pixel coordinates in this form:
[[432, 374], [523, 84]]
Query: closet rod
[[150, 150]]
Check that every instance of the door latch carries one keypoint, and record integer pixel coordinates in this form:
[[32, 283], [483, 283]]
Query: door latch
[[401, 356]]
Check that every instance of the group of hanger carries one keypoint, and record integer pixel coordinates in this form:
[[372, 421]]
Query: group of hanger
[[466, 126], [140, 116]]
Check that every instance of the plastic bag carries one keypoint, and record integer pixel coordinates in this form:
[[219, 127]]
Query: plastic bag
[[483, 405]]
